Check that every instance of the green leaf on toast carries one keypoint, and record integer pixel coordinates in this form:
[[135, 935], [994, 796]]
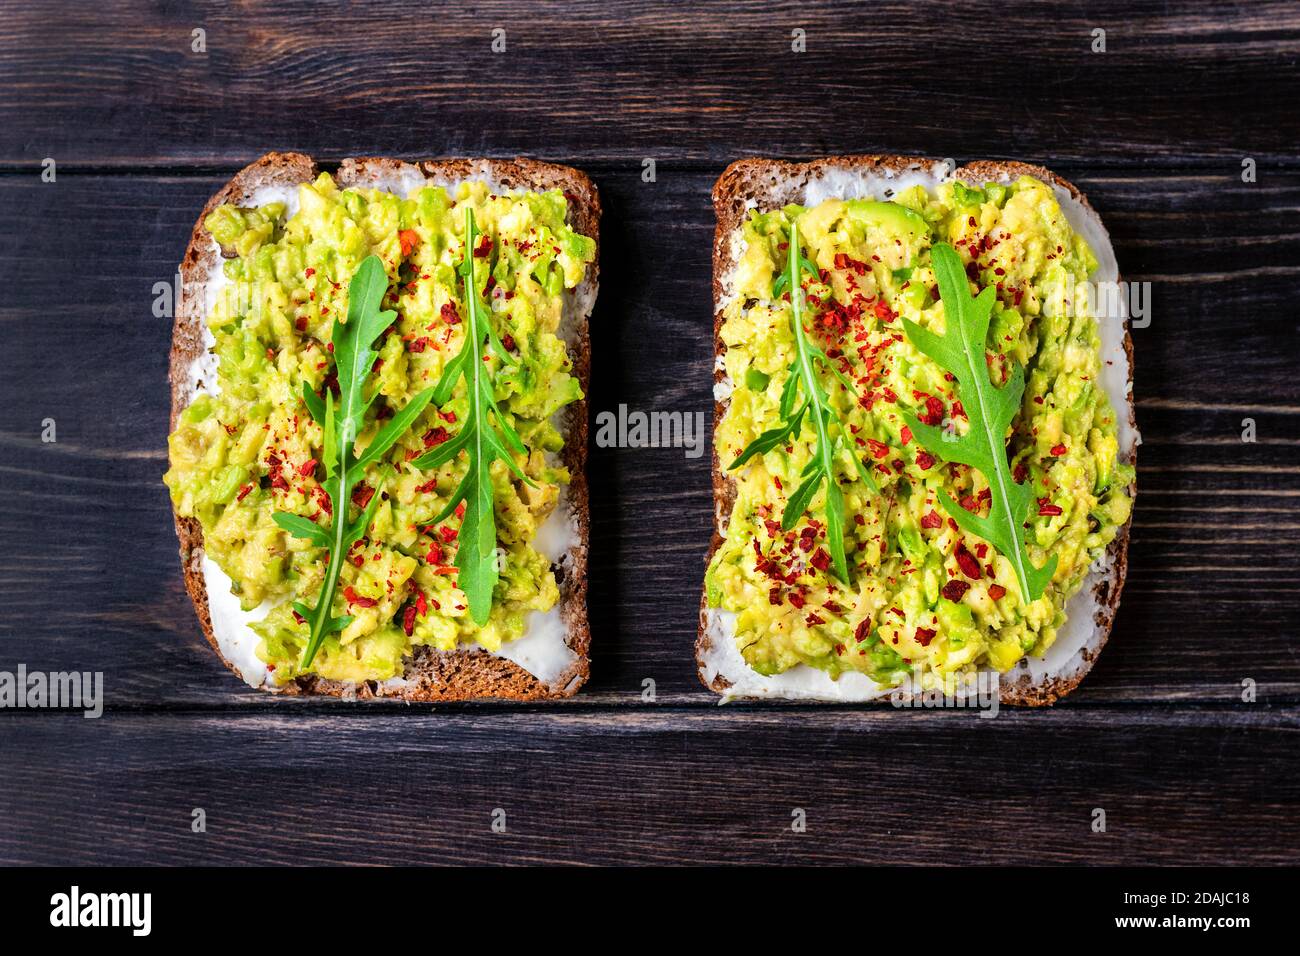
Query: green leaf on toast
[[817, 409], [353, 339], [989, 409], [301, 527], [486, 436]]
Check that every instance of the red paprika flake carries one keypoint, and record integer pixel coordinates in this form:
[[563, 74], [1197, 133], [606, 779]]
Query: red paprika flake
[[924, 460], [906, 435], [484, 247], [1058, 450], [307, 468], [933, 414], [878, 448], [954, 590], [843, 261], [435, 436], [863, 630], [243, 492], [797, 600], [449, 313], [813, 620], [924, 636], [821, 560], [362, 495], [997, 591], [934, 408], [1048, 510], [409, 239], [448, 534], [967, 562], [774, 596], [354, 598], [931, 519], [835, 320], [408, 620]]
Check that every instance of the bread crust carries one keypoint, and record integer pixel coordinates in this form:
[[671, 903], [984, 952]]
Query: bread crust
[[769, 184], [429, 675]]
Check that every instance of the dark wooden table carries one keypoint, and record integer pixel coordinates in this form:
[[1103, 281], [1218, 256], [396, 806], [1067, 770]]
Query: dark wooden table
[[1155, 129]]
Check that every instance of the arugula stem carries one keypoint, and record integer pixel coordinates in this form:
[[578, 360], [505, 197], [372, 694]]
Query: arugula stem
[[320, 624], [806, 370], [471, 320], [979, 377], [476, 386]]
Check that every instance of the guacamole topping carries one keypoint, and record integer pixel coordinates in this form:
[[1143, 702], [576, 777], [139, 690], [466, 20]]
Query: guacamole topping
[[924, 599], [246, 447]]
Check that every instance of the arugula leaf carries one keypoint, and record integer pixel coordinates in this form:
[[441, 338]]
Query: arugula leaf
[[960, 350], [353, 342], [486, 436], [301, 527], [816, 406]]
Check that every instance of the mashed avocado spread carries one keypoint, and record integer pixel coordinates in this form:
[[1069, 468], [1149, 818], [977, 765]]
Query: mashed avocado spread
[[924, 598], [249, 448]]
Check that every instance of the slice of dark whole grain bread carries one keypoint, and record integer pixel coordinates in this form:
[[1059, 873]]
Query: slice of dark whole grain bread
[[769, 184], [429, 675]]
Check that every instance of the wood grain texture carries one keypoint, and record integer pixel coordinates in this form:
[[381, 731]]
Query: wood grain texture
[[1178, 82], [657, 786], [1154, 130]]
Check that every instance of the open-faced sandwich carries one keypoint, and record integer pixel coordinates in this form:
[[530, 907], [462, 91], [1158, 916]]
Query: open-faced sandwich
[[924, 436], [378, 428]]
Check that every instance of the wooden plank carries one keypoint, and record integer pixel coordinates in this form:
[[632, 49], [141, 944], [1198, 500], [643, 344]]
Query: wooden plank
[[118, 84], [98, 588], [1195, 785]]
